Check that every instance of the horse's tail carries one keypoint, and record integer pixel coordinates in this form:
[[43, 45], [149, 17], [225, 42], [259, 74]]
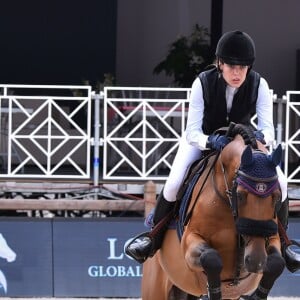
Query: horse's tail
[[246, 132]]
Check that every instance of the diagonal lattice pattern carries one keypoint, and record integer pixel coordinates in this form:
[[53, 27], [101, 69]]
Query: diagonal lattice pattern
[[44, 136], [142, 132]]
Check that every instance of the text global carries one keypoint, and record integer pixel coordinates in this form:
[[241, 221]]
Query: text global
[[115, 271]]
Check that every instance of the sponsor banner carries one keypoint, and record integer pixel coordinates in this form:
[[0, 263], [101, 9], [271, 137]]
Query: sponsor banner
[[89, 259], [26, 257], [66, 257]]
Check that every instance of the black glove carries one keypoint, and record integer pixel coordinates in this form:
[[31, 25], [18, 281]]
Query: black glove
[[217, 142], [260, 136]]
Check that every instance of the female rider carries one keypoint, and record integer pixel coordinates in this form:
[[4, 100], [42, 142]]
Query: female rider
[[229, 92]]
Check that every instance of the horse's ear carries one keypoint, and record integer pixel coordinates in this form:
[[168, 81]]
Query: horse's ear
[[275, 156], [247, 159]]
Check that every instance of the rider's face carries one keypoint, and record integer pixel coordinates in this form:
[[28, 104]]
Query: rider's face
[[234, 75]]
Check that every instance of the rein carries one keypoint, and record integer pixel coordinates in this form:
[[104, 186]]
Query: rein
[[231, 201], [228, 199], [229, 133]]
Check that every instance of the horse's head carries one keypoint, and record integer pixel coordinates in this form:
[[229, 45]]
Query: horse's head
[[255, 196]]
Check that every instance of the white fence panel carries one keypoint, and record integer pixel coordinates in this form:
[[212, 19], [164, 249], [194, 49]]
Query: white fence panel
[[139, 137], [142, 128], [292, 137], [45, 131]]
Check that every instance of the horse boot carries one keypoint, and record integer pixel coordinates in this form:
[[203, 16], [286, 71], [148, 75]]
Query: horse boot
[[146, 244], [292, 259]]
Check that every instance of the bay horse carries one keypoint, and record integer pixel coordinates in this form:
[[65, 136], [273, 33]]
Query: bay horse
[[230, 246]]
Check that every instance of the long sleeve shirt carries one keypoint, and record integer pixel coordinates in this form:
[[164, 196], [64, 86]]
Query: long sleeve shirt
[[264, 111]]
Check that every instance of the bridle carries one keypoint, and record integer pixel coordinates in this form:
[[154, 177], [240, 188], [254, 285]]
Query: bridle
[[245, 226], [264, 187]]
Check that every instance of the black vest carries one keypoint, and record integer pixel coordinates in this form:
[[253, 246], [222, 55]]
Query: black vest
[[215, 109]]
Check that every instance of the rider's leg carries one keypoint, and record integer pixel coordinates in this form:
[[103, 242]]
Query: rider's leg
[[292, 258], [144, 246]]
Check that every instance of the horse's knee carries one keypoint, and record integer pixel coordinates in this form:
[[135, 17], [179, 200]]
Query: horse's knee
[[275, 264], [211, 261]]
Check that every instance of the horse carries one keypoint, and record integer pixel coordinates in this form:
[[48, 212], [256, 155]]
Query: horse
[[9, 255], [230, 245]]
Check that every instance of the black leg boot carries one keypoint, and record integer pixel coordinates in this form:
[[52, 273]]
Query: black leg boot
[[292, 259], [146, 244]]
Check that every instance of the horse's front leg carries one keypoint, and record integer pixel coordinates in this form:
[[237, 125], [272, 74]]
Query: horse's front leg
[[274, 267], [201, 257]]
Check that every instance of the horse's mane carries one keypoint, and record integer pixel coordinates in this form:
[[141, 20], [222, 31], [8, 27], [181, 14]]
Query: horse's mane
[[246, 132]]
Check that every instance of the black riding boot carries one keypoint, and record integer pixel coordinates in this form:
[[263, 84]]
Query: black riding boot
[[146, 244], [292, 259]]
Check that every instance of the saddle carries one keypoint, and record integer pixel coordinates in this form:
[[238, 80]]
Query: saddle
[[176, 220], [184, 194], [191, 177]]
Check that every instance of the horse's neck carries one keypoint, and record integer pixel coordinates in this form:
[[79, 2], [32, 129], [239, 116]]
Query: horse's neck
[[226, 167]]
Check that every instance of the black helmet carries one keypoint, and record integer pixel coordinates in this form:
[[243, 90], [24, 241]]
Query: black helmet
[[236, 48]]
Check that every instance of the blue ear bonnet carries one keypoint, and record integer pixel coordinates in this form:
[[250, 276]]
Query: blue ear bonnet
[[257, 172]]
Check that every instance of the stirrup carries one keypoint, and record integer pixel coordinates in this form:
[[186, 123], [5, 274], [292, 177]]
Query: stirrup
[[292, 258], [135, 256]]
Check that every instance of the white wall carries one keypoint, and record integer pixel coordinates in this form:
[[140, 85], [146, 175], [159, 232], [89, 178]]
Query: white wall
[[146, 28]]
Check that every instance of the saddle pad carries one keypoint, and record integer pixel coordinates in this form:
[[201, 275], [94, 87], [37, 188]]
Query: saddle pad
[[185, 201], [183, 197], [187, 193]]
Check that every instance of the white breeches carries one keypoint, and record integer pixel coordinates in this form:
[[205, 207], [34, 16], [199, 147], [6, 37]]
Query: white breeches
[[185, 156]]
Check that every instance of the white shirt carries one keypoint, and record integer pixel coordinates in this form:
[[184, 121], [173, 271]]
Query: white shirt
[[264, 110]]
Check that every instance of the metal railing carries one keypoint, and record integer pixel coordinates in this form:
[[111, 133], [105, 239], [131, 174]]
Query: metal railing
[[292, 137], [142, 128], [45, 131]]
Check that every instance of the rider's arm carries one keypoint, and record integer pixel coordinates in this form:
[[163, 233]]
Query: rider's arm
[[194, 133], [264, 110]]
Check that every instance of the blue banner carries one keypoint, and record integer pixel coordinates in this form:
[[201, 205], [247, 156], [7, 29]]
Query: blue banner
[[90, 260], [76, 257]]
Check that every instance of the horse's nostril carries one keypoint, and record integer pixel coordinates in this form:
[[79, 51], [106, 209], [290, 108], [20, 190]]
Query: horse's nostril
[[253, 265], [247, 260]]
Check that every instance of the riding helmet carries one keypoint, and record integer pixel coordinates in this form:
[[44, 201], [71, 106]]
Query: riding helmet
[[236, 48]]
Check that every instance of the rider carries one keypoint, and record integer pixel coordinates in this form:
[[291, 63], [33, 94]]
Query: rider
[[230, 91]]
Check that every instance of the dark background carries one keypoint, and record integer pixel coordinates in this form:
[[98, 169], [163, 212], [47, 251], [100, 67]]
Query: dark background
[[57, 41]]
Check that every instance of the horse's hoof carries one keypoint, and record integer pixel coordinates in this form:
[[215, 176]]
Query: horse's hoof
[[292, 259]]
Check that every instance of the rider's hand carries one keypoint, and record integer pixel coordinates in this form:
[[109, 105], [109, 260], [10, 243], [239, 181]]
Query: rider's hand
[[260, 136], [217, 141]]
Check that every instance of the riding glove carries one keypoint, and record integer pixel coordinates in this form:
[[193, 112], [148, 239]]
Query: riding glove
[[260, 136], [217, 141]]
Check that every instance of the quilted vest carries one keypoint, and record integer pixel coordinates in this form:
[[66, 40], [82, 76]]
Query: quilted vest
[[215, 108]]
